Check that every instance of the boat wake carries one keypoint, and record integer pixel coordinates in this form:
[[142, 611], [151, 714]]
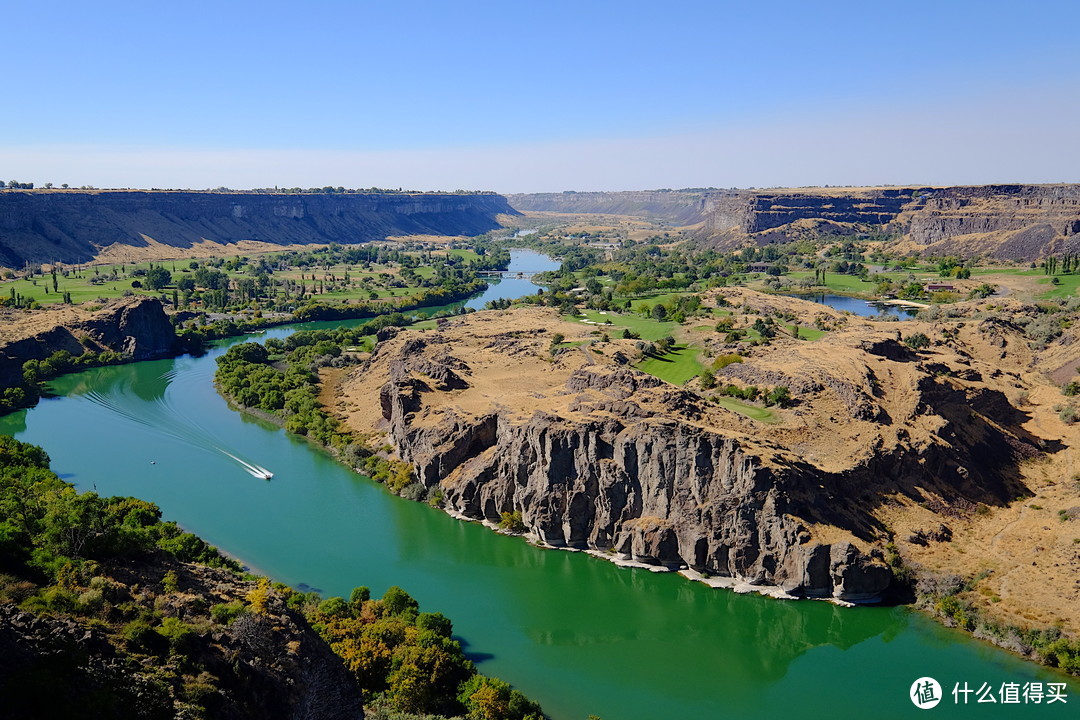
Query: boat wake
[[161, 415], [254, 470]]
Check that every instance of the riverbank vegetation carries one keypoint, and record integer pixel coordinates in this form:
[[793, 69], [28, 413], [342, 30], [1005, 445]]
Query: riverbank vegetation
[[224, 297], [947, 598], [280, 379], [407, 661], [659, 295]]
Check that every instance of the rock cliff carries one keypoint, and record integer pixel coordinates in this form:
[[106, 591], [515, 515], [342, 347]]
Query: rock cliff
[[679, 207], [73, 226], [136, 327], [1018, 222], [597, 455]]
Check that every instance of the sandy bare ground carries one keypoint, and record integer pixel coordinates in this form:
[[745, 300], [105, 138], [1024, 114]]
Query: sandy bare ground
[[19, 324], [154, 251]]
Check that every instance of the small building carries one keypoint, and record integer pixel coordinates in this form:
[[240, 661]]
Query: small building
[[759, 267], [935, 287]]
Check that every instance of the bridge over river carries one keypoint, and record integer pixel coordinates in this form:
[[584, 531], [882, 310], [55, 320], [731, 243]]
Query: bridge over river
[[524, 275]]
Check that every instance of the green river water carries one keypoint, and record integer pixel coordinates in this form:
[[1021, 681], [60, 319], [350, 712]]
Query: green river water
[[578, 634]]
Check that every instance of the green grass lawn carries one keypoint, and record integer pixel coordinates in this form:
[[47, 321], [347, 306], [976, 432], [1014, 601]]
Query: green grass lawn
[[837, 282], [651, 300], [1066, 287], [648, 328], [463, 253], [810, 333], [80, 288], [753, 412], [676, 367], [976, 271]]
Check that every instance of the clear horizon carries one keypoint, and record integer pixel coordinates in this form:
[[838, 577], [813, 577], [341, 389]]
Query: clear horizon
[[586, 96]]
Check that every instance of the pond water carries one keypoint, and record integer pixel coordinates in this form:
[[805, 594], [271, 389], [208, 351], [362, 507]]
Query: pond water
[[857, 306]]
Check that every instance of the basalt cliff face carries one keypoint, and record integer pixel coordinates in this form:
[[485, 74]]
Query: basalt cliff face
[[1018, 222], [136, 327], [74, 226]]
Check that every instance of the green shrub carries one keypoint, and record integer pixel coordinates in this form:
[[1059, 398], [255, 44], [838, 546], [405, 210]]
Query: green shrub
[[722, 361], [917, 341], [512, 521], [226, 613]]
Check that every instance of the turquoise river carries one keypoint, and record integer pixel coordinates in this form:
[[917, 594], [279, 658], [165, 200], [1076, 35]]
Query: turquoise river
[[578, 634]]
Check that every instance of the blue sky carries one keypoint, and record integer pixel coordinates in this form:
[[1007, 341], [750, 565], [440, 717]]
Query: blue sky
[[521, 97]]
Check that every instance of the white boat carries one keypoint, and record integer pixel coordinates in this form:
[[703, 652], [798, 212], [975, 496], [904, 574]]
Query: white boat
[[265, 475]]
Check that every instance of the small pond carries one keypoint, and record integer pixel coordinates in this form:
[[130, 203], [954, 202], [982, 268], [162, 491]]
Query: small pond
[[859, 307]]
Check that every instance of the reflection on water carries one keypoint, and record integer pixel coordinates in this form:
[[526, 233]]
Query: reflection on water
[[510, 288], [859, 307]]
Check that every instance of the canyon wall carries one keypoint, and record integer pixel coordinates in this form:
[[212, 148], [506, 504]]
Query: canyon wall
[[73, 226], [595, 455], [1017, 222], [679, 207]]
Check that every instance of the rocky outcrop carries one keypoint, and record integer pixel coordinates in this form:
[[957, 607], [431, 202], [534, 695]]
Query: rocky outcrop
[[654, 492], [262, 665], [596, 455], [136, 327], [73, 226], [1018, 222], [629, 480]]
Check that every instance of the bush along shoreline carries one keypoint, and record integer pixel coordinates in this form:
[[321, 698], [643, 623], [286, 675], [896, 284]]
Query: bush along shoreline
[[278, 380], [943, 597]]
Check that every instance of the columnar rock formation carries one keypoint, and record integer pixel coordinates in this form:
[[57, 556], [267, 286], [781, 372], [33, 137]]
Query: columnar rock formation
[[597, 455]]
